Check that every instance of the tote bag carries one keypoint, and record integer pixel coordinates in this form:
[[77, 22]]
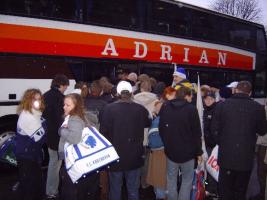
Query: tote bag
[[93, 152], [212, 164]]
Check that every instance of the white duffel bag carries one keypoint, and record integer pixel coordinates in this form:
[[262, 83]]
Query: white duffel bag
[[93, 152]]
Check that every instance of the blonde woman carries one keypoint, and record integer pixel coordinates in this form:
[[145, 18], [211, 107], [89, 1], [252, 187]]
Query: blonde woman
[[71, 132], [29, 140]]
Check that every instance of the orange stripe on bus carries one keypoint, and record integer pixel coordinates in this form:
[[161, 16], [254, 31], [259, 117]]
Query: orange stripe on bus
[[39, 40]]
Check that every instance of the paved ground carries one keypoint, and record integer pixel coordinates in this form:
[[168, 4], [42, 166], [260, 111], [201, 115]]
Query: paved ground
[[8, 178]]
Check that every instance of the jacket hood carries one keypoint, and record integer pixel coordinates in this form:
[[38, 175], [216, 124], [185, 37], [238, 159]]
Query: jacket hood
[[178, 103], [240, 96], [145, 98]]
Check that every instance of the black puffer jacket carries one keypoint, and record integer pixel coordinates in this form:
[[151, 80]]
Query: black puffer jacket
[[236, 123], [179, 128]]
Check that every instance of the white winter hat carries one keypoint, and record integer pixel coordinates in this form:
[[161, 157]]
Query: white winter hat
[[232, 85], [124, 86]]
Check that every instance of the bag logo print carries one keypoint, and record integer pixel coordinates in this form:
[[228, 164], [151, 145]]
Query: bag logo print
[[90, 141]]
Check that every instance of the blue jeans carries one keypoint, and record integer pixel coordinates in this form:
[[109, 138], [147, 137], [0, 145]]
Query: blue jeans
[[160, 193], [132, 182], [54, 165], [187, 171]]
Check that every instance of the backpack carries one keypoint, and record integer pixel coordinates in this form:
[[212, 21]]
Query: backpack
[[154, 139]]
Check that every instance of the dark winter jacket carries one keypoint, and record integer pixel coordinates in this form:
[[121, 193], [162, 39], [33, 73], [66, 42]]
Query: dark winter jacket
[[236, 123], [27, 149], [123, 124], [53, 114], [108, 98], [207, 118], [179, 128]]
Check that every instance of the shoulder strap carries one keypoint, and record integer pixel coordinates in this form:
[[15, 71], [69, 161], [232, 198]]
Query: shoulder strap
[[87, 122]]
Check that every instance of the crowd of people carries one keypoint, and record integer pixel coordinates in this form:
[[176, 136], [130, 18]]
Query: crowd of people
[[131, 113]]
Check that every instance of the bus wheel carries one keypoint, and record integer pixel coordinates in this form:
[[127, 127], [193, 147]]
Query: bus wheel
[[5, 166]]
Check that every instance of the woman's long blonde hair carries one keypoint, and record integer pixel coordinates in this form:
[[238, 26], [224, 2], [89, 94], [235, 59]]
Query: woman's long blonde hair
[[27, 99]]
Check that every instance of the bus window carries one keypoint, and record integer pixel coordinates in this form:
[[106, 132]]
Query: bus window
[[117, 13], [212, 78], [59, 9], [170, 19], [183, 21], [239, 76], [33, 68], [240, 35], [159, 19], [161, 72], [260, 84], [12, 6], [66, 9], [203, 26], [90, 70], [261, 42]]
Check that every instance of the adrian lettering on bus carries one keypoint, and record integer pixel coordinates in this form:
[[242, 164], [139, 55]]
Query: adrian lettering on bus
[[198, 55]]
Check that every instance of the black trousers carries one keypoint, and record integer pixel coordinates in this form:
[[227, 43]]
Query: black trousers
[[30, 179], [86, 187], [233, 184]]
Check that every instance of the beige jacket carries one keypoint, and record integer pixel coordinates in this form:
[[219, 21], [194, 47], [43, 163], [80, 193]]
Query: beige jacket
[[146, 99]]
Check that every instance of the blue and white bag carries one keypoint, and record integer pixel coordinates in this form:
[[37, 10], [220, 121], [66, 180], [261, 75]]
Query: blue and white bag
[[93, 152]]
